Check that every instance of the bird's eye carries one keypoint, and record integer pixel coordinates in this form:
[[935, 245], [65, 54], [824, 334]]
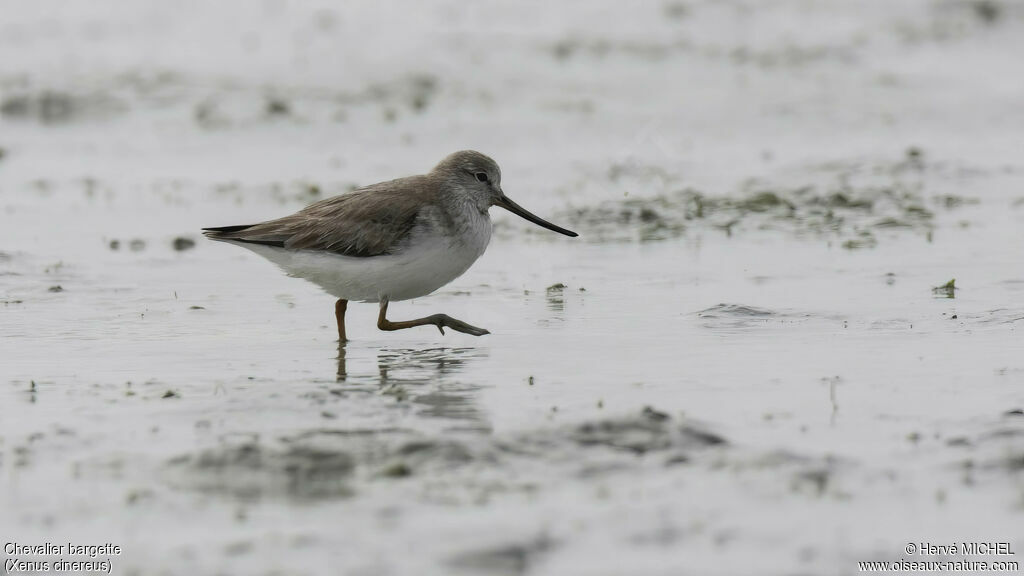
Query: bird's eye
[[481, 176]]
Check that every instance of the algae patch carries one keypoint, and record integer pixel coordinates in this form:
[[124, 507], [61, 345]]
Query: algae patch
[[947, 290], [854, 204]]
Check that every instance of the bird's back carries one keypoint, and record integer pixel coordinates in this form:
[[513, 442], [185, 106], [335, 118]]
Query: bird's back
[[367, 222]]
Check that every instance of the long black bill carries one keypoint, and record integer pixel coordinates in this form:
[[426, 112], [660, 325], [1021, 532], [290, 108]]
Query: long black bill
[[518, 210]]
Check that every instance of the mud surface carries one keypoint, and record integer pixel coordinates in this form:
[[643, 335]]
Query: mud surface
[[789, 336]]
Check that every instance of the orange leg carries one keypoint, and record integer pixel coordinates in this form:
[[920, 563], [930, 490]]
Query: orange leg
[[442, 321], [339, 314]]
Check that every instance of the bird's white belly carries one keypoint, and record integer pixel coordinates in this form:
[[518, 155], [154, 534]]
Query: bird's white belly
[[430, 261]]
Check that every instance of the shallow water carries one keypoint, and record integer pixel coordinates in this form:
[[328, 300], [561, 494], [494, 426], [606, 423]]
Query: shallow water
[[767, 379]]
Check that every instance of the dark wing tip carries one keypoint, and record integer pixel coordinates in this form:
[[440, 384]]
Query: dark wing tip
[[232, 233], [222, 230]]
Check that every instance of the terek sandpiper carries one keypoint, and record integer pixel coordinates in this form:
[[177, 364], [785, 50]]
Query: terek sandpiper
[[390, 241]]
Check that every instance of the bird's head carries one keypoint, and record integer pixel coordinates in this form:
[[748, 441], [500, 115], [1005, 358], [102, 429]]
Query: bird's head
[[479, 177]]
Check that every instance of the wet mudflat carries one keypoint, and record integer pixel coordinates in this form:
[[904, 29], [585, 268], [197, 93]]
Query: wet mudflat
[[752, 356]]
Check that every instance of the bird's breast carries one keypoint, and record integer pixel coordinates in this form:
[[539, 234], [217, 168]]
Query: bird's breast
[[463, 230], [474, 233]]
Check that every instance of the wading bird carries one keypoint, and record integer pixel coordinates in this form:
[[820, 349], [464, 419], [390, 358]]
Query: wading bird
[[390, 241]]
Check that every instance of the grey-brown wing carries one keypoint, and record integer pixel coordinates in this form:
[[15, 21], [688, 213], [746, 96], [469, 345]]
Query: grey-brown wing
[[367, 222]]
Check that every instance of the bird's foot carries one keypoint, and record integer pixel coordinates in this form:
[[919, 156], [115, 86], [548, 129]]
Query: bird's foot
[[443, 321]]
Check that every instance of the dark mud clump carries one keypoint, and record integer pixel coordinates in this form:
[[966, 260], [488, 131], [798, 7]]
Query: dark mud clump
[[393, 453], [513, 558], [55, 107], [254, 471], [987, 11], [649, 431], [424, 455], [611, 446], [997, 449], [277, 106], [676, 11], [182, 244]]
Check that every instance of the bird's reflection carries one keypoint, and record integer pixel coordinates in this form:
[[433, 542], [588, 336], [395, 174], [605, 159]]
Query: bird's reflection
[[426, 378], [342, 362]]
